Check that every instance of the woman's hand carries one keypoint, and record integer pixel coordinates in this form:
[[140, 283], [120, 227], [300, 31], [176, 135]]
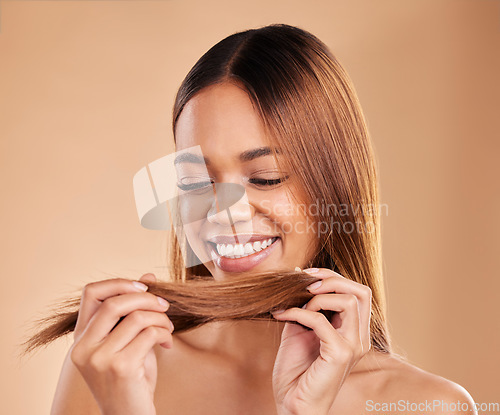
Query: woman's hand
[[117, 327], [312, 365]]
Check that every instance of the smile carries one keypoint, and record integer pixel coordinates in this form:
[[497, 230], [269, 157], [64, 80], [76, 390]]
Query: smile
[[240, 250], [242, 257]]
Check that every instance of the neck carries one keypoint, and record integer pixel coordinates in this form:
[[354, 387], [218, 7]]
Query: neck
[[253, 344], [247, 342]]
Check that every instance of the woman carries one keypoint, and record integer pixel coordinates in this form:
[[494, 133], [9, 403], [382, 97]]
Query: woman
[[271, 110]]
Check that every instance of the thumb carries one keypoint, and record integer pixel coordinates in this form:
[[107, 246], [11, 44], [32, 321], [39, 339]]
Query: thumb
[[148, 278]]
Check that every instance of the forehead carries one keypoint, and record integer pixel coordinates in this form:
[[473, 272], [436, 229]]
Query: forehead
[[220, 118]]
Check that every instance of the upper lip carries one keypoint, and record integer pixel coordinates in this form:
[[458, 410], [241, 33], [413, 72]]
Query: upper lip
[[241, 238]]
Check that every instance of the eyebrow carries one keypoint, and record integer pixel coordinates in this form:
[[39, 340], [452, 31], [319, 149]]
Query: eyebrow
[[248, 155], [257, 152], [190, 158]]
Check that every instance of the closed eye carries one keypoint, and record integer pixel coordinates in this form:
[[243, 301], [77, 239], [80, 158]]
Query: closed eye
[[200, 185], [268, 182], [194, 186]]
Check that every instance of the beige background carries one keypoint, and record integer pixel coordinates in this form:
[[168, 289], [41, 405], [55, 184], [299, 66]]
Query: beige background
[[86, 90]]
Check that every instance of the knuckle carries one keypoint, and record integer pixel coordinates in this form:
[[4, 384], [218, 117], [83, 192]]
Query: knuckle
[[119, 368], [89, 290], [137, 318], [95, 362], [110, 305], [151, 332], [352, 301], [319, 318], [368, 291]]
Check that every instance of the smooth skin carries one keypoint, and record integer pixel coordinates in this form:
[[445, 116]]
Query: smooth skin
[[140, 367]]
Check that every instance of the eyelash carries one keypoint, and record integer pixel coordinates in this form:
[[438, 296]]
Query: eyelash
[[257, 182], [193, 186], [268, 182]]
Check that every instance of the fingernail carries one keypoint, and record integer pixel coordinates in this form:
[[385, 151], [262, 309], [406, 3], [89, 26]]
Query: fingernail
[[171, 326], [315, 285], [162, 301], [277, 312], [311, 270], [298, 269], [304, 306], [140, 286]]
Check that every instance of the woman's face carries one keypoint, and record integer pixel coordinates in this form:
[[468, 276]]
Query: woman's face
[[264, 230]]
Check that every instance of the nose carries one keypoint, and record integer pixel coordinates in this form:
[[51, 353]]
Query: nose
[[228, 214]]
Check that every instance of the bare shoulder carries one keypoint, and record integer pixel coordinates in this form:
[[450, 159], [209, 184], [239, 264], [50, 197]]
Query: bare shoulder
[[417, 390]]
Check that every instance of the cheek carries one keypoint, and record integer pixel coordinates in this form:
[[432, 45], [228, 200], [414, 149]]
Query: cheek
[[299, 230], [193, 207], [276, 206], [192, 232], [288, 215]]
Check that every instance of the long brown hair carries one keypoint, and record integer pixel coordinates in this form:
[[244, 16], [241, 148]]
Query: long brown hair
[[312, 114], [201, 300]]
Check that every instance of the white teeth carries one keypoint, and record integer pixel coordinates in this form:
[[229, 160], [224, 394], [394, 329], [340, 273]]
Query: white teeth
[[248, 248], [240, 250]]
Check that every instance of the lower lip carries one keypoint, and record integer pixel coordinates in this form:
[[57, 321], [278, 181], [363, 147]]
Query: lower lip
[[241, 264]]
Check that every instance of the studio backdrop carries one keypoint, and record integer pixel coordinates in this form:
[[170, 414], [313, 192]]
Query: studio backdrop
[[86, 93]]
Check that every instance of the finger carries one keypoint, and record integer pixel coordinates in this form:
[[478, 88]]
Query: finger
[[346, 305], [131, 326], [112, 309], [148, 278], [322, 272], [333, 282], [139, 348], [96, 292], [317, 322]]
